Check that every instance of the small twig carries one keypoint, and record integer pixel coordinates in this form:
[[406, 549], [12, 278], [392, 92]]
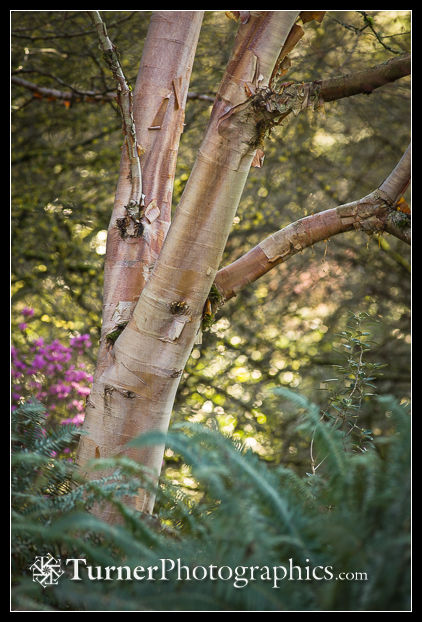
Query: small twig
[[313, 467], [311, 452], [125, 101], [319, 464], [369, 21], [357, 373]]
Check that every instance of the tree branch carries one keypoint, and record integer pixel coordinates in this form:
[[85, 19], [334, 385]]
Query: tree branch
[[367, 80], [373, 213], [79, 96], [332, 89]]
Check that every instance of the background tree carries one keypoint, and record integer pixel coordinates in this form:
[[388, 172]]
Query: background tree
[[232, 390]]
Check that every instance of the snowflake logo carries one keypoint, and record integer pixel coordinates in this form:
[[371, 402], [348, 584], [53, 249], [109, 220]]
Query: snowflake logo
[[46, 570]]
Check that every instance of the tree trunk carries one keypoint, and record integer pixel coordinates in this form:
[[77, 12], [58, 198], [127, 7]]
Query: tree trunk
[[159, 100], [134, 391]]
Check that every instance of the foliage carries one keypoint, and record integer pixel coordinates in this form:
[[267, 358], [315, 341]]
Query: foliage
[[352, 516], [356, 384]]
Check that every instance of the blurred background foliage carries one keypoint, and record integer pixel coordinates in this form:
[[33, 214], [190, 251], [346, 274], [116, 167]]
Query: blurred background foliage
[[284, 330]]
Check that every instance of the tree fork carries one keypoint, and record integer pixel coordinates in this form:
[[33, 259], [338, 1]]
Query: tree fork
[[150, 354], [130, 258]]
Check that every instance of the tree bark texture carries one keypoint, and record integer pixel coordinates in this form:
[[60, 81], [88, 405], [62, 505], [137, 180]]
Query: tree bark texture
[[160, 92], [158, 110], [135, 391]]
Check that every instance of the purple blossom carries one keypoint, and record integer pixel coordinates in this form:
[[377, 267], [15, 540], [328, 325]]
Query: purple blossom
[[80, 389], [77, 404], [52, 373], [61, 390], [20, 365], [82, 341], [39, 362], [76, 420]]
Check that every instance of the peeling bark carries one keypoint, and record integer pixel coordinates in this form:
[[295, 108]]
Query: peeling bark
[[130, 259], [155, 345], [168, 52]]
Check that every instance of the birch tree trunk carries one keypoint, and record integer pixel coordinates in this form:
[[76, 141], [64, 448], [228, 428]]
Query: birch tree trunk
[[136, 381], [158, 275], [159, 100]]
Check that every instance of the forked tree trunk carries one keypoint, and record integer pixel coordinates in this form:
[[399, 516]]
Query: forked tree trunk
[[159, 100], [137, 379], [158, 276]]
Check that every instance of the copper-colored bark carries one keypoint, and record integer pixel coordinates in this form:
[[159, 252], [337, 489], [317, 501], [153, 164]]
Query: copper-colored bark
[[135, 393], [168, 53]]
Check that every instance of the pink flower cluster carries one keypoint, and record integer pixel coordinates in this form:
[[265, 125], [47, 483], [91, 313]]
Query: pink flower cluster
[[53, 373]]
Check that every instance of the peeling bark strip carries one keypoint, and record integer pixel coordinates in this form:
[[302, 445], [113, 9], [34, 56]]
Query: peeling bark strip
[[283, 63], [373, 213], [308, 16], [159, 117]]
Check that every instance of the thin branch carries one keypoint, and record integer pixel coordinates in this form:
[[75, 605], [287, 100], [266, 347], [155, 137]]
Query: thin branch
[[67, 35], [76, 95], [80, 96], [369, 21], [201, 96], [124, 99]]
